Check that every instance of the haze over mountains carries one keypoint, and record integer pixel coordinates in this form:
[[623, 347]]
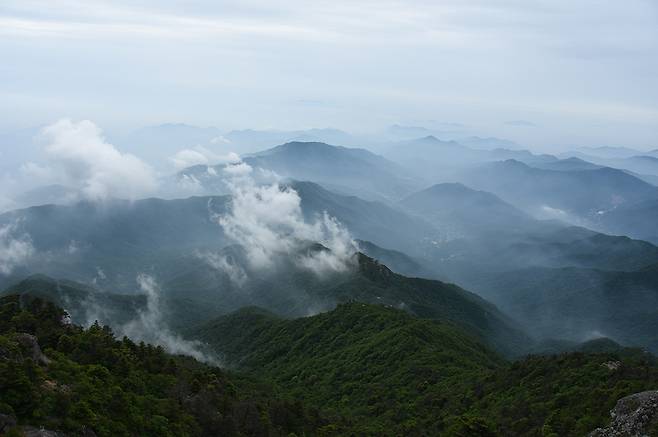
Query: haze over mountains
[[476, 251], [334, 218]]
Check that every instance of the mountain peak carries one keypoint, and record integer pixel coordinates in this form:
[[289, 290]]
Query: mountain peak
[[371, 268], [307, 145]]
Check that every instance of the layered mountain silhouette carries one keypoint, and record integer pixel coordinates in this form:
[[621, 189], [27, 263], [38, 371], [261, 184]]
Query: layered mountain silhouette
[[579, 194], [342, 169], [581, 303]]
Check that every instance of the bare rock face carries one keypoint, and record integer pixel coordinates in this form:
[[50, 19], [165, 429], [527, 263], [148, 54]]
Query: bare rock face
[[7, 422], [29, 343], [30, 431], [633, 416]]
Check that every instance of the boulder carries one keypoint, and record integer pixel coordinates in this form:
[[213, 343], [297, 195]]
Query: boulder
[[633, 416]]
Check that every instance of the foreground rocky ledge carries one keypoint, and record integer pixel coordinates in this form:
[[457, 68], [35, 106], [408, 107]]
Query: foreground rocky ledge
[[633, 416]]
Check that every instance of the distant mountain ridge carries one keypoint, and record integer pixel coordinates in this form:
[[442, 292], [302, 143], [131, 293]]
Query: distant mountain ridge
[[581, 303], [462, 212], [342, 169], [579, 192], [439, 161]]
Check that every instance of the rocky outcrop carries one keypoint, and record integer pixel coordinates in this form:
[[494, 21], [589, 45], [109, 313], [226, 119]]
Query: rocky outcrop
[[29, 431], [7, 421], [30, 345], [633, 416]]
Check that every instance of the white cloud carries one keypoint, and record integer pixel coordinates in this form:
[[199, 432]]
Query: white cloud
[[15, 248], [73, 247], [238, 170], [6, 203], [201, 156], [37, 172], [81, 158], [188, 158], [221, 263], [267, 221], [8, 188], [150, 326]]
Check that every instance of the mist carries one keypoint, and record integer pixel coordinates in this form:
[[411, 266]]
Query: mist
[[150, 325], [473, 211], [301, 218], [15, 248]]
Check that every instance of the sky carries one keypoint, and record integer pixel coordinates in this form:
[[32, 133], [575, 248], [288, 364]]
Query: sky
[[544, 73]]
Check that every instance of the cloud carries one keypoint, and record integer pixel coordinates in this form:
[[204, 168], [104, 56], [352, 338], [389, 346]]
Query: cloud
[[552, 61], [201, 156], [150, 326], [546, 212], [79, 155], [36, 171], [7, 202], [267, 221], [222, 263], [15, 249], [239, 170], [8, 187]]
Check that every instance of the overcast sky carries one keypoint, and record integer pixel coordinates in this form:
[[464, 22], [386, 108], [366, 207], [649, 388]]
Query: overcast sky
[[544, 73]]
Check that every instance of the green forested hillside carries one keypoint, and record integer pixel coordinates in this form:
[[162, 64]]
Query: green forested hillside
[[83, 302], [394, 374], [89, 380], [560, 395], [574, 303], [360, 369], [366, 361], [203, 294], [293, 292], [375, 283]]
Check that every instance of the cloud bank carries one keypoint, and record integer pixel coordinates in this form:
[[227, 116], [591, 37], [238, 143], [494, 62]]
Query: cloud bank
[[79, 156], [267, 221]]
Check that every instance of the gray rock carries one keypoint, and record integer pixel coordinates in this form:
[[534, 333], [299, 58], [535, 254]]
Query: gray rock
[[30, 431], [633, 416], [29, 343], [6, 422]]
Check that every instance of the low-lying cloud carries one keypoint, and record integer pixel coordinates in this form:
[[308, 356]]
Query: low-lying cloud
[[222, 263], [15, 248], [79, 157], [150, 327], [267, 220], [200, 155]]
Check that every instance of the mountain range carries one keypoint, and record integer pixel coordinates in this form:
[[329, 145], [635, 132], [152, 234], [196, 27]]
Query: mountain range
[[462, 287]]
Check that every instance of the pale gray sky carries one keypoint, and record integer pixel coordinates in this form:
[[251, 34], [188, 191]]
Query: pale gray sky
[[545, 73]]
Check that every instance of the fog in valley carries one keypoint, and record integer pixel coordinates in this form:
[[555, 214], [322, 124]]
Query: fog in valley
[[309, 192]]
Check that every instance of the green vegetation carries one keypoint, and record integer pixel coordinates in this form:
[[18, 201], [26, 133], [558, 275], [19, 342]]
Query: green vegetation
[[362, 360], [375, 283], [560, 395], [360, 369], [621, 304], [289, 291], [390, 373], [118, 388]]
